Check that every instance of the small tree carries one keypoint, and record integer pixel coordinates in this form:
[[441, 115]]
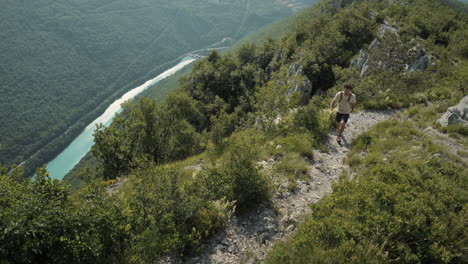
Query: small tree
[[272, 103]]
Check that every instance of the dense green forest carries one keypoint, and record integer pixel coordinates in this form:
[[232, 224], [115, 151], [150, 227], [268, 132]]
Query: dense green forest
[[160, 90], [63, 62], [171, 172]]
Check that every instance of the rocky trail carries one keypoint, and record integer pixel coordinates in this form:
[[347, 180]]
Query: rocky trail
[[249, 237]]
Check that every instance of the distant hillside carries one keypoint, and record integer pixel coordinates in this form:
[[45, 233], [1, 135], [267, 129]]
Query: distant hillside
[[63, 61], [274, 30], [158, 91]]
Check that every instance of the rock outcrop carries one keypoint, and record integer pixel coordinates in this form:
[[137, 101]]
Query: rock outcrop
[[360, 60], [384, 53], [298, 82], [457, 114], [388, 52]]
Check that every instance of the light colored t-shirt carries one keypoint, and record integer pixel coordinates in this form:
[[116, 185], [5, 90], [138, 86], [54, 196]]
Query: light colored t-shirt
[[344, 107]]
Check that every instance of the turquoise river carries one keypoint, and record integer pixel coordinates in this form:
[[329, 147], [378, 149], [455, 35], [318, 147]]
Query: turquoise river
[[69, 157]]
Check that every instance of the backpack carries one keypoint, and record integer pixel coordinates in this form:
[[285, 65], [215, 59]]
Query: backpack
[[341, 97]]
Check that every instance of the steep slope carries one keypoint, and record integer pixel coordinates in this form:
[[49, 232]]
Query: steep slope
[[160, 90], [232, 160]]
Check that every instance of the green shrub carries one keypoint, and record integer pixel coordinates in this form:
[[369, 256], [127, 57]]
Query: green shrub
[[418, 98], [271, 103], [311, 119], [250, 187], [234, 175], [40, 223], [171, 215], [362, 142], [406, 205], [400, 213], [215, 216], [146, 131], [218, 184], [413, 110]]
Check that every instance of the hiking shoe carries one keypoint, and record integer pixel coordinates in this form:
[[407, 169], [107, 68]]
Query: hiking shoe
[[338, 138]]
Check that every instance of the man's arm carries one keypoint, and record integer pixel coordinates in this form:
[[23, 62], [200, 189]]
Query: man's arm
[[332, 105], [353, 103], [333, 102]]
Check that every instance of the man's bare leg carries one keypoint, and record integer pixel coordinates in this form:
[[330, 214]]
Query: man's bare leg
[[341, 127], [339, 131]]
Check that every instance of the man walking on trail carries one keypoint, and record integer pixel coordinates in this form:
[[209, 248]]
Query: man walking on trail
[[346, 102]]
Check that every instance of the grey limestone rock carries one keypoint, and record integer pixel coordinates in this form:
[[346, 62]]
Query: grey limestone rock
[[457, 114], [389, 52], [368, 60], [385, 29], [360, 60], [420, 64], [297, 81]]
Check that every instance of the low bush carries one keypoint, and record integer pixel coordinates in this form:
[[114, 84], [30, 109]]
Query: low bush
[[171, 214], [41, 223], [250, 187], [394, 214], [456, 128], [312, 120], [409, 206], [233, 174]]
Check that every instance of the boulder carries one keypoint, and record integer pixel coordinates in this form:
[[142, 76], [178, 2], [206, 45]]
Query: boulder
[[457, 114], [295, 68], [385, 28], [420, 64], [419, 61]]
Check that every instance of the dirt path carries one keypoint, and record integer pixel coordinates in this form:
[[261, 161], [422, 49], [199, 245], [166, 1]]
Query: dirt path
[[247, 238]]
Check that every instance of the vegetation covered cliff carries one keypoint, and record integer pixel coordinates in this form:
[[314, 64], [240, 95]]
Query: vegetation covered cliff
[[237, 132]]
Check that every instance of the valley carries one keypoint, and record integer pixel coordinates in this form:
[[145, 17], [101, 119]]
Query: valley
[[240, 160], [64, 62]]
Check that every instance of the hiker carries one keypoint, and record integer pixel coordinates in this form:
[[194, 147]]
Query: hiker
[[346, 102]]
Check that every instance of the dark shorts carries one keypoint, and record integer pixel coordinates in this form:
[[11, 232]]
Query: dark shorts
[[342, 117]]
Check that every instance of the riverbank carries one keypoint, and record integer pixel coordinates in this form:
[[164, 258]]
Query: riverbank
[[77, 149], [52, 150]]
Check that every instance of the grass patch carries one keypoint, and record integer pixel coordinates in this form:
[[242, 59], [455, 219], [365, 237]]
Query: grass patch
[[453, 130], [299, 143], [293, 166], [407, 205]]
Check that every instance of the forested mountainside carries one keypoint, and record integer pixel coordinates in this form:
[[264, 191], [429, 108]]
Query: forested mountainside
[[247, 126], [63, 62], [161, 89]]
